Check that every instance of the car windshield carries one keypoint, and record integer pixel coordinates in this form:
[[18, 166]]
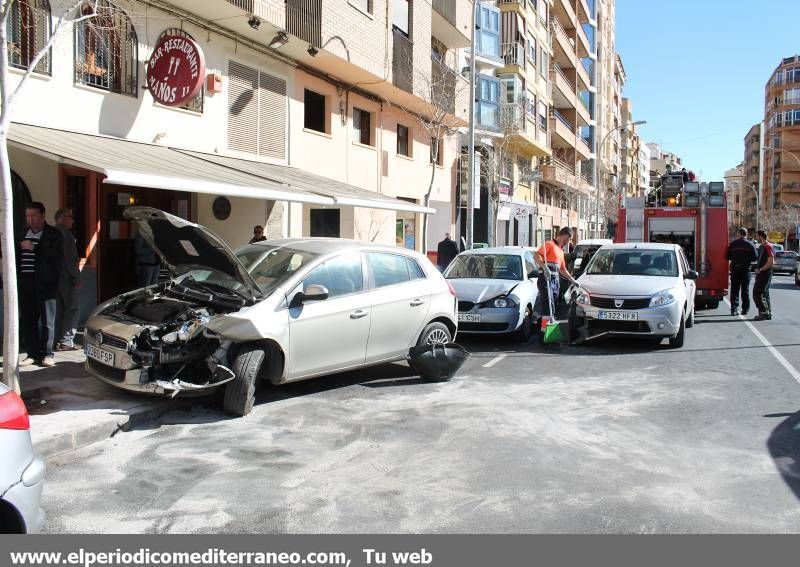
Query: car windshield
[[270, 266], [486, 266], [634, 262]]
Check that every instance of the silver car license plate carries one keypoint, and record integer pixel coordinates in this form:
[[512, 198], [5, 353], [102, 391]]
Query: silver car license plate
[[100, 355], [618, 315], [469, 317]]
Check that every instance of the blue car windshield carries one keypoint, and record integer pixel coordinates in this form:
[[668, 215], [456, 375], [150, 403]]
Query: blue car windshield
[[633, 262], [486, 266]]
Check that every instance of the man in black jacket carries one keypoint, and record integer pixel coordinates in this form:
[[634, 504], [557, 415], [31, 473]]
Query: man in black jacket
[[40, 259], [741, 254], [445, 252]]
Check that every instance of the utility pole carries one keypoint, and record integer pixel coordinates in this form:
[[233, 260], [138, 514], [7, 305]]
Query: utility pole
[[471, 135]]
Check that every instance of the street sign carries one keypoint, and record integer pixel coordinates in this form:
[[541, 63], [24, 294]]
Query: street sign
[[175, 71]]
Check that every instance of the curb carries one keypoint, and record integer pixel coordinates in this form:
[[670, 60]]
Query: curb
[[69, 441]]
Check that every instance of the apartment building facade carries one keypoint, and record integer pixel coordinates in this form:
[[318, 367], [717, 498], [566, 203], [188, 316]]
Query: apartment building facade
[[307, 121], [568, 185], [661, 161], [752, 198], [735, 190], [780, 176]]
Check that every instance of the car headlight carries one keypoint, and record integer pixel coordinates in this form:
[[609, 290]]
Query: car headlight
[[664, 297], [502, 303], [582, 297]]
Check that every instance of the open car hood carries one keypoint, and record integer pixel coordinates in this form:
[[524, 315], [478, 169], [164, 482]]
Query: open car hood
[[184, 246]]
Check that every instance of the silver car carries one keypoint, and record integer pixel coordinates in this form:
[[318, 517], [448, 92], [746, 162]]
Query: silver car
[[496, 290], [635, 290], [279, 311], [21, 469]]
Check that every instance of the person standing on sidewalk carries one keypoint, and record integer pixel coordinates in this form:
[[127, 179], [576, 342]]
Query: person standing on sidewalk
[[446, 250], [39, 264], [766, 257], [550, 258], [69, 283], [741, 255]]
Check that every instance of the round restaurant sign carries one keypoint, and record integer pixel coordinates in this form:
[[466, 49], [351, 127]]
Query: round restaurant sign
[[175, 70]]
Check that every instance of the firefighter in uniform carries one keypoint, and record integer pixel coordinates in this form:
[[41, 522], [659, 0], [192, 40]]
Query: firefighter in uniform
[[766, 256], [741, 254]]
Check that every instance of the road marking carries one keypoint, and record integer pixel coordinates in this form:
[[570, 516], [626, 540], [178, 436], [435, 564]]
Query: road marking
[[778, 356], [494, 361]]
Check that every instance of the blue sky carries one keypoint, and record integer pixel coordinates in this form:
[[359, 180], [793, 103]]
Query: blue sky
[[697, 69]]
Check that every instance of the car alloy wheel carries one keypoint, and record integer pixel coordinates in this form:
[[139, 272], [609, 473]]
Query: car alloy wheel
[[437, 336]]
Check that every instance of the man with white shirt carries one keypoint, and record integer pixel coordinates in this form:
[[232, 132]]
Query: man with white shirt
[[40, 261]]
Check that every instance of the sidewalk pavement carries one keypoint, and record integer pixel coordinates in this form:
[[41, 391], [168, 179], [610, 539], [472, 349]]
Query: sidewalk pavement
[[69, 409]]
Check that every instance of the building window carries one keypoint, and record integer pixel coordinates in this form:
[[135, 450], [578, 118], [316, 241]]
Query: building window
[[488, 98], [401, 16], [325, 223], [315, 116], [437, 146], [363, 5], [362, 128], [27, 31], [489, 31], [791, 96], [106, 51], [532, 50], [545, 63], [403, 141], [257, 110], [196, 104], [542, 116]]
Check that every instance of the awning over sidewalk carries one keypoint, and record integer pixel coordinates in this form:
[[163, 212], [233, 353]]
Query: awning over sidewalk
[[138, 164]]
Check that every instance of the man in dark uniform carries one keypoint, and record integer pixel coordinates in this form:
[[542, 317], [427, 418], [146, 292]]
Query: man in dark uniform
[[741, 254], [766, 256], [445, 252]]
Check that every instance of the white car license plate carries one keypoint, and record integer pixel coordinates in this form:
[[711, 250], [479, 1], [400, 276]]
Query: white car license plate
[[100, 355], [618, 315], [469, 317]]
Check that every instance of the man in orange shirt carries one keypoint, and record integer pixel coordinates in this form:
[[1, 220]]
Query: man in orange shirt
[[550, 258]]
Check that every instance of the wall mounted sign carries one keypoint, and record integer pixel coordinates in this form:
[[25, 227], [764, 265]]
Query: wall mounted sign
[[176, 70], [221, 208]]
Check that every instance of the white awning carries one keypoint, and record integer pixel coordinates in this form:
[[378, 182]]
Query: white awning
[[138, 164]]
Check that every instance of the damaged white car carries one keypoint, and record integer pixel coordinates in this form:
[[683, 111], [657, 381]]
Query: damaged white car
[[281, 311]]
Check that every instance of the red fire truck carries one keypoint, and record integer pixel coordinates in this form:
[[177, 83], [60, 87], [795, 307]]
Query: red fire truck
[[689, 213]]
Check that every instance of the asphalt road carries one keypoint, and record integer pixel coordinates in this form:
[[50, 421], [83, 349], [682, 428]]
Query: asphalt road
[[617, 437]]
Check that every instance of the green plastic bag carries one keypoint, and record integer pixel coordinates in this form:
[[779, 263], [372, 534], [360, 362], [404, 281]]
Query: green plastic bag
[[552, 333]]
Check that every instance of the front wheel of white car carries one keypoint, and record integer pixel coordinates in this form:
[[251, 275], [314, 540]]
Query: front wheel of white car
[[678, 340], [240, 393], [435, 333], [525, 331]]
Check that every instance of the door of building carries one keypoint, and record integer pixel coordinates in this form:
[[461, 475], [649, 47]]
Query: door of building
[[117, 265]]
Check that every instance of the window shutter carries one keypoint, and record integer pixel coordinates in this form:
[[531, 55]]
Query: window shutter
[[272, 117], [242, 108]]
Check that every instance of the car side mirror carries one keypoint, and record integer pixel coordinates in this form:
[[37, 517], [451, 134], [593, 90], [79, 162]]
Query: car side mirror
[[313, 292], [691, 275]]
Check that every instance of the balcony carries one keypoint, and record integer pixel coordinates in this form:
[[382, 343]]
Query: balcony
[[304, 20], [563, 129], [402, 61], [562, 83], [562, 41], [446, 26], [583, 147], [583, 112], [562, 9], [584, 13], [513, 55], [512, 5], [563, 175]]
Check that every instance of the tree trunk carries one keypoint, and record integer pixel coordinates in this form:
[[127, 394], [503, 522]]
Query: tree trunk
[[9, 271], [426, 201]]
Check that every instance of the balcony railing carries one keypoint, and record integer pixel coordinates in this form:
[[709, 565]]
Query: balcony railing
[[560, 73], [512, 116], [304, 20], [402, 61], [558, 116], [246, 5], [447, 9], [564, 165], [514, 54], [516, 2]]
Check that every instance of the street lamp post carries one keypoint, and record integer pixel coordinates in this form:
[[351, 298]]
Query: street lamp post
[[600, 158], [471, 136], [758, 202]]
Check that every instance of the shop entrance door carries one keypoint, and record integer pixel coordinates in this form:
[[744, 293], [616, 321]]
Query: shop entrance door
[[117, 266]]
